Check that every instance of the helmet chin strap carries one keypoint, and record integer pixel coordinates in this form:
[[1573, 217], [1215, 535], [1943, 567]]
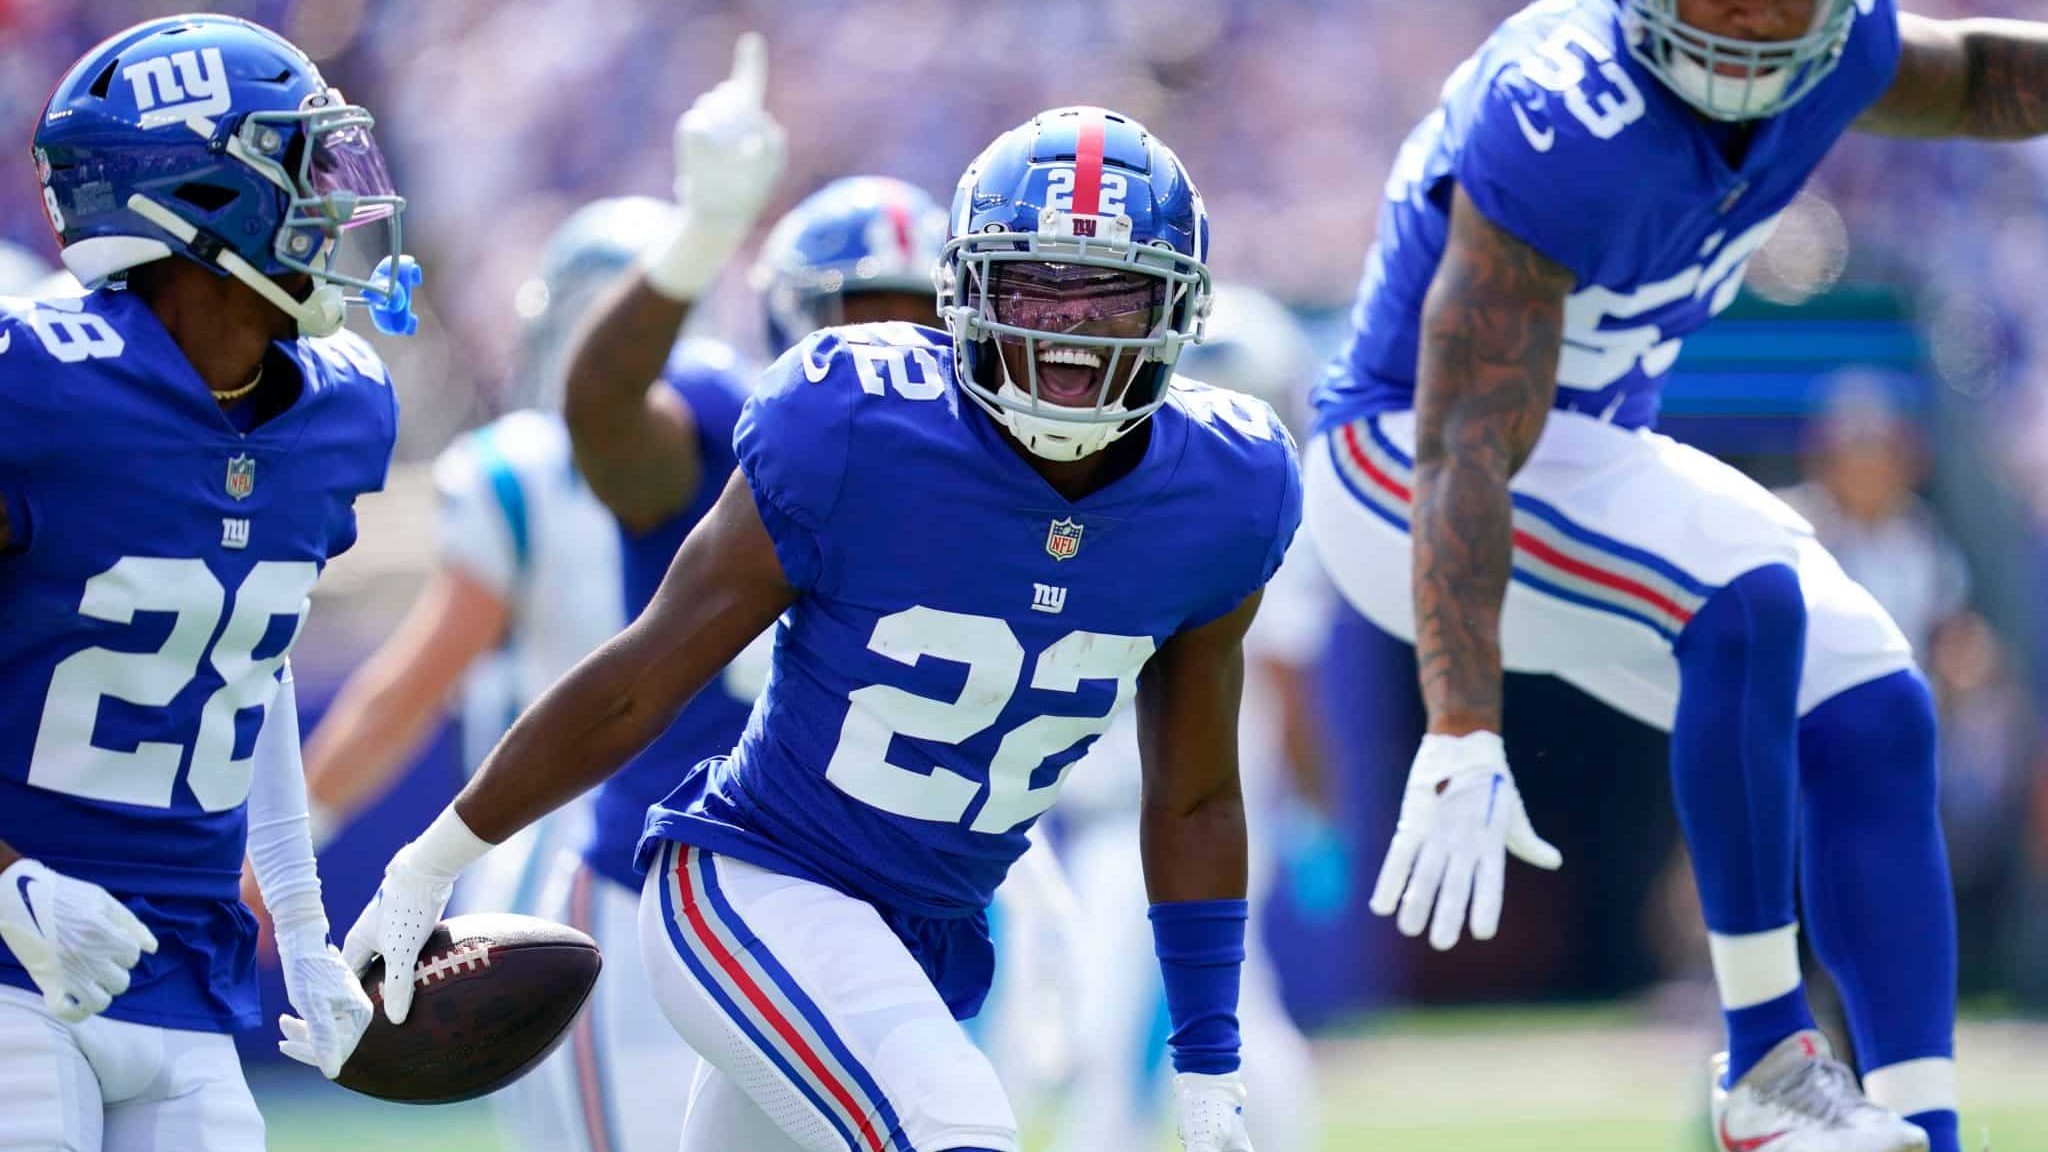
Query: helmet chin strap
[[1697, 83], [319, 314], [1053, 439]]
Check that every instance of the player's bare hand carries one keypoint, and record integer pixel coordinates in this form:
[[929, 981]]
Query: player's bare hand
[[332, 1009], [395, 926], [1210, 1112], [76, 941], [1460, 817]]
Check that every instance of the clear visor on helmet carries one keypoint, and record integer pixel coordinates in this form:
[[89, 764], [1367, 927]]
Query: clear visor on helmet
[[1073, 322], [1074, 306], [343, 216]]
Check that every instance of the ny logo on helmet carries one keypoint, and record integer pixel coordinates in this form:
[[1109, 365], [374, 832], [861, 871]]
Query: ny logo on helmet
[[175, 88]]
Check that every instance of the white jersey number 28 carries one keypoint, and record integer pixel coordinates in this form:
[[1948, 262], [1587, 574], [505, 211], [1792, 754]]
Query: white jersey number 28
[[878, 713], [65, 758]]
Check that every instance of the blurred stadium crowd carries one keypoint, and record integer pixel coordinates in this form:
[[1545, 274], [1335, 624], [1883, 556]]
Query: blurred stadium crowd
[[501, 116]]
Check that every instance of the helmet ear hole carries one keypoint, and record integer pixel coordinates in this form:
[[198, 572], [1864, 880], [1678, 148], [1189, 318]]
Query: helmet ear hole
[[208, 198]]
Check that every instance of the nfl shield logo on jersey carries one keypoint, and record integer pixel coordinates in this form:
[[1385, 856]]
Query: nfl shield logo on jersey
[[241, 476], [1064, 540]]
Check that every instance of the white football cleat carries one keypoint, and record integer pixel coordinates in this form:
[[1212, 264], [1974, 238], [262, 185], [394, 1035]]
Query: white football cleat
[[1801, 1099]]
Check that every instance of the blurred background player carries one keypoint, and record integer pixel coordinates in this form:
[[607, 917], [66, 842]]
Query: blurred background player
[[1119, 1089], [528, 582], [200, 176], [1589, 194], [527, 557]]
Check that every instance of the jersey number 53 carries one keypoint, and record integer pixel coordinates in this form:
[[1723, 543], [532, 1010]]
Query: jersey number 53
[[1555, 66]]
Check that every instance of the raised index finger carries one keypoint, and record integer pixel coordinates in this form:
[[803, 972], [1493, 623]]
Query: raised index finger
[[750, 67]]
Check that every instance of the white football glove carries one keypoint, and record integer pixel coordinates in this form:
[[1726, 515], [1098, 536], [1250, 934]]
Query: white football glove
[[1210, 1112], [1460, 817], [407, 906], [75, 939], [729, 153], [332, 1009]]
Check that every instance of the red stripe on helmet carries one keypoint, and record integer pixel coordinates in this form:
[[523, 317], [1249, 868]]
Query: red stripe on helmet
[[899, 215], [1088, 165]]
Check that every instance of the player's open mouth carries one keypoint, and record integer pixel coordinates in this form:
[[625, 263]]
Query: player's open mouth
[[1070, 375]]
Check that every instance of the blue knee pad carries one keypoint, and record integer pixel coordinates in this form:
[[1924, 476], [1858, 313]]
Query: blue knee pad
[[1734, 747]]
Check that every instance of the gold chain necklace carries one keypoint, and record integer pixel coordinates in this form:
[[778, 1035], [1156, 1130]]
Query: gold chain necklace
[[244, 390]]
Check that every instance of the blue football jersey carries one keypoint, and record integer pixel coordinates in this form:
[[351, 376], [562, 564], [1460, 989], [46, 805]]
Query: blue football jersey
[[964, 633], [1563, 140], [708, 378], [162, 566]]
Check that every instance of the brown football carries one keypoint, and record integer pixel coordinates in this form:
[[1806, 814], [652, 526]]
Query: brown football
[[493, 993]]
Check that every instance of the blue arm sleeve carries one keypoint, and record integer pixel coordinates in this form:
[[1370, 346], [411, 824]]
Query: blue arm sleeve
[[1201, 953], [792, 443]]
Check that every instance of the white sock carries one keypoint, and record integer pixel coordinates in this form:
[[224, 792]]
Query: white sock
[[1911, 1087], [1755, 968]]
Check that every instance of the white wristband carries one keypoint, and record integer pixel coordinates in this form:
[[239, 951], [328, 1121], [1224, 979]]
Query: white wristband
[[687, 264], [307, 939], [445, 848]]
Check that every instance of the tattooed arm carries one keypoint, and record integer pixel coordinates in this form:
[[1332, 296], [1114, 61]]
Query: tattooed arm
[[1986, 79], [1491, 329]]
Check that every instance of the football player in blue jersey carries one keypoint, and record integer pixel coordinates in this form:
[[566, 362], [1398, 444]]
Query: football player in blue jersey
[[654, 419], [199, 175], [923, 516], [651, 418], [1486, 484]]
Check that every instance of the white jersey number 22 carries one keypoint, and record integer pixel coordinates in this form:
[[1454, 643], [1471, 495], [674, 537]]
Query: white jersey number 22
[[878, 713]]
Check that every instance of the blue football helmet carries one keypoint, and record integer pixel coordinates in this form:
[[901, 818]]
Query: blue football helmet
[[584, 257], [1734, 80], [214, 139], [1080, 219], [857, 234]]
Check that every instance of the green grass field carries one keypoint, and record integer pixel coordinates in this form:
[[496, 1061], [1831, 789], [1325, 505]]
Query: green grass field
[[1518, 1081]]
